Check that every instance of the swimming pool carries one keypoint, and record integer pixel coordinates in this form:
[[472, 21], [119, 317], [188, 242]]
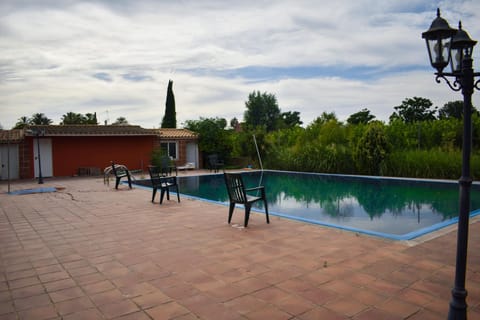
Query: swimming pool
[[398, 209]]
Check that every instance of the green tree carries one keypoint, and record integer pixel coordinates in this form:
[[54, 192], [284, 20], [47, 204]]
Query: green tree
[[413, 110], [324, 118], [22, 122], [213, 138], [39, 119], [120, 121], [91, 118], [453, 109], [291, 119], [372, 149], [361, 117], [73, 118], [262, 111], [170, 117], [234, 123]]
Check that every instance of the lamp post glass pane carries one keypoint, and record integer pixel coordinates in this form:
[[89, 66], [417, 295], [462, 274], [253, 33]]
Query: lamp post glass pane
[[439, 50], [456, 60]]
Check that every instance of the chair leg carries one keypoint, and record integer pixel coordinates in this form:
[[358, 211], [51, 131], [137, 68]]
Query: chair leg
[[117, 182], [230, 211], [178, 195], [247, 214], [154, 192], [162, 193], [266, 210], [129, 182]]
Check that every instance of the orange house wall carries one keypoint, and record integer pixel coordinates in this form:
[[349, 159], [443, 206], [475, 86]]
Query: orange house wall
[[71, 153]]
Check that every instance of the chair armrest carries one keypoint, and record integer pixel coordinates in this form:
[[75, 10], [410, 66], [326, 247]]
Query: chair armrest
[[255, 188], [168, 179]]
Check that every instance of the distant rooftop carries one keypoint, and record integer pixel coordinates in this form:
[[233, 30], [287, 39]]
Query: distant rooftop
[[13, 136], [88, 130], [17, 135], [175, 133]]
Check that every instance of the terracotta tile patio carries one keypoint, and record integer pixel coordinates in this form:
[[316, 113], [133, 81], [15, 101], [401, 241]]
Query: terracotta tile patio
[[89, 251]]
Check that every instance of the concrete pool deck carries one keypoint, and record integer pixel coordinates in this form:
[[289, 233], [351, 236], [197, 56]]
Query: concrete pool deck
[[88, 251]]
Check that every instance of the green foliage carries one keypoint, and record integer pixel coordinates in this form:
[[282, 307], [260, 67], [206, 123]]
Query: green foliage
[[452, 109], [414, 109], [78, 118], [170, 117], [433, 163], [72, 118], [91, 118], [372, 148], [120, 121], [213, 138], [262, 111], [361, 117], [22, 122], [476, 130], [281, 148], [430, 148], [39, 119], [234, 123], [290, 119], [35, 119], [157, 155]]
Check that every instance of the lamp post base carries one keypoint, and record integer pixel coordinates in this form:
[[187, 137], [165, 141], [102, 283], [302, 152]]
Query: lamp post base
[[458, 307]]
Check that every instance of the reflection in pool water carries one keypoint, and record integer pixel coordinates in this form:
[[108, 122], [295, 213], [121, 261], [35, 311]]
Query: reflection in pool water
[[393, 208]]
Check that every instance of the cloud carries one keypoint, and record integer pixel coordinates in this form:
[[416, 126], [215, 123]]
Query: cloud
[[103, 76], [136, 77], [315, 56]]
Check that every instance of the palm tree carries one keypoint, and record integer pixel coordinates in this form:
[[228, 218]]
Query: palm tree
[[40, 119], [72, 118], [22, 122]]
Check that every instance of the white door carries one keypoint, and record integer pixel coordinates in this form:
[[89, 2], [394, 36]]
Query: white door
[[9, 162], [192, 153], [45, 157]]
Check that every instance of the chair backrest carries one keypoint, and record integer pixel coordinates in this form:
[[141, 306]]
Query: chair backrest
[[235, 187], [213, 159], [114, 170], [158, 179], [155, 175], [119, 169]]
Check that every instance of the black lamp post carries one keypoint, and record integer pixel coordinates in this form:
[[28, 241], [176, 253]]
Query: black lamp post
[[446, 45]]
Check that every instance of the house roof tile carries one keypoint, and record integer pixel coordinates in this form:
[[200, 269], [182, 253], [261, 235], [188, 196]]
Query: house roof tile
[[88, 130], [11, 136], [168, 133], [94, 130]]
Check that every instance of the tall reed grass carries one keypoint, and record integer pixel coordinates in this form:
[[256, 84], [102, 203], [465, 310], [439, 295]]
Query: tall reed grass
[[435, 164]]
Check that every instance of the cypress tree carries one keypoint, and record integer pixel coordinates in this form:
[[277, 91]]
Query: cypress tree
[[170, 117]]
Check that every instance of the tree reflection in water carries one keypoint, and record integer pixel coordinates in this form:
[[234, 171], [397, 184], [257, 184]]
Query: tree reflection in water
[[372, 203]]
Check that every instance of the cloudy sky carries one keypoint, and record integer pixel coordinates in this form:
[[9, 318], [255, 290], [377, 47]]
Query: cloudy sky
[[115, 57]]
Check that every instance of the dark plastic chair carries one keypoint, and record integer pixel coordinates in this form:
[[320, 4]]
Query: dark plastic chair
[[163, 183], [120, 171], [237, 193], [214, 163]]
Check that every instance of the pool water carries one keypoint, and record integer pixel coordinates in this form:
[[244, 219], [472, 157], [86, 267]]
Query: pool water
[[388, 207]]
